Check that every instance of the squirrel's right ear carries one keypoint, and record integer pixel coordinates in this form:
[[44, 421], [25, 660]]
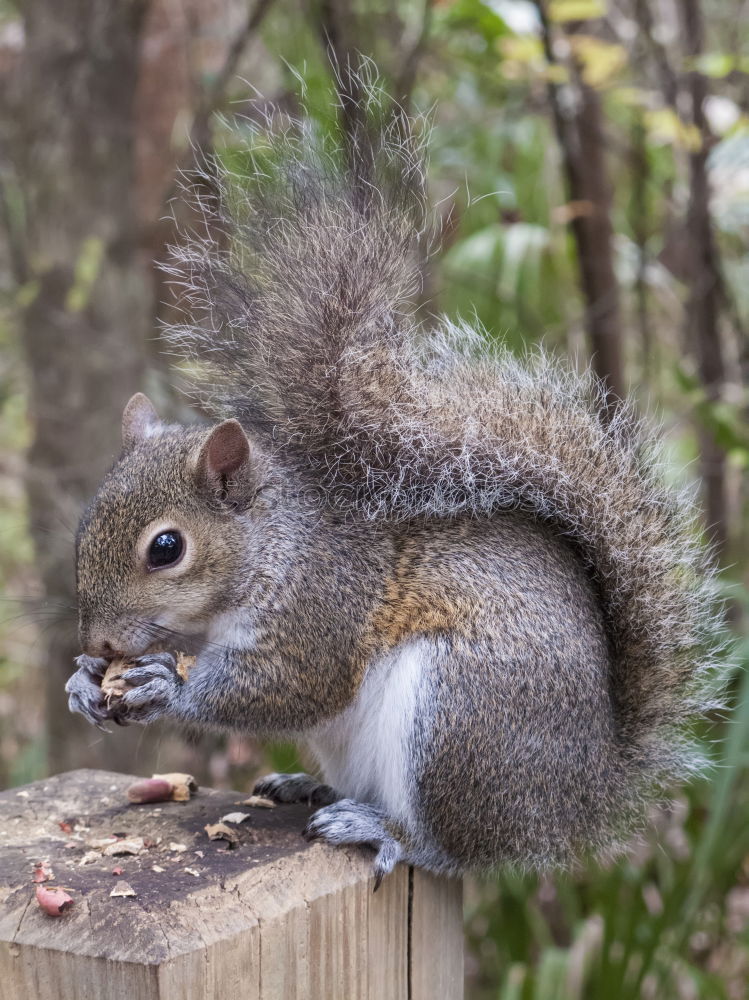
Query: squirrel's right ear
[[139, 418], [224, 464]]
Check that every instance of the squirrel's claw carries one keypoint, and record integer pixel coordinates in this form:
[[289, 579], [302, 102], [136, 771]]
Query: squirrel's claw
[[137, 676]]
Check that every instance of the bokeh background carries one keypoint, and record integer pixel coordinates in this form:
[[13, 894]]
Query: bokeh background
[[590, 181]]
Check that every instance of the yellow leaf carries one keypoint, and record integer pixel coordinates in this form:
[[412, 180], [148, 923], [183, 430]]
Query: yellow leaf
[[665, 126], [522, 57], [557, 73], [630, 96], [521, 48], [576, 10], [600, 61]]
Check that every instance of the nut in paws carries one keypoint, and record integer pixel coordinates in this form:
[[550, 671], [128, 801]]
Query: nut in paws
[[152, 687]]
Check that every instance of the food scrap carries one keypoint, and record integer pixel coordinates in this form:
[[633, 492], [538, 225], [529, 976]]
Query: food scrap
[[174, 787], [220, 831], [99, 843], [150, 790], [112, 683], [123, 888], [234, 817], [53, 900], [124, 845], [185, 664], [258, 802], [183, 785], [42, 872]]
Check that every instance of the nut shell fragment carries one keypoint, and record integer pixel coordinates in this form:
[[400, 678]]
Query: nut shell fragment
[[123, 888], [220, 831], [185, 664], [126, 845], [258, 802], [112, 684], [183, 785]]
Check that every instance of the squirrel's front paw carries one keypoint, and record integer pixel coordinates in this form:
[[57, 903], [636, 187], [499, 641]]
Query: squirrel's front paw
[[84, 690], [297, 787], [153, 689]]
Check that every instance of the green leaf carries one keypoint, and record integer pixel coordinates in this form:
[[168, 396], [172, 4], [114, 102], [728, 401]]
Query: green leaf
[[715, 64], [86, 271], [524, 246], [477, 15]]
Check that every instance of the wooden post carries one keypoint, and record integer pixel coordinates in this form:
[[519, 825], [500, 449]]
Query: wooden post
[[272, 918]]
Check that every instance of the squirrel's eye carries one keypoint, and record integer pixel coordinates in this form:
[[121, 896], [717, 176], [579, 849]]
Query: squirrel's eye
[[165, 549]]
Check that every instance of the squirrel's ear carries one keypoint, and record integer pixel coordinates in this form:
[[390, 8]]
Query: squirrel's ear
[[224, 462], [138, 419]]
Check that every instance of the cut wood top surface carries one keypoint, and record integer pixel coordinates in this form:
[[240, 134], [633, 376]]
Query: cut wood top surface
[[202, 891]]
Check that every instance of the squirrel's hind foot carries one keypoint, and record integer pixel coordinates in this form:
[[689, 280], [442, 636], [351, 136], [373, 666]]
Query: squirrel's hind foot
[[300, 787], [350, 822]]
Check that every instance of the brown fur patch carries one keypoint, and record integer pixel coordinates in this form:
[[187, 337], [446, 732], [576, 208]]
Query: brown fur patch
[[416, 601]]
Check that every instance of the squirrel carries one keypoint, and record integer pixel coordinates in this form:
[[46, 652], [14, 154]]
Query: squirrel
[[449, 571]]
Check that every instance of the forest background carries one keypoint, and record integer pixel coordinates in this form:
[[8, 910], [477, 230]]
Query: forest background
[[589, 175]]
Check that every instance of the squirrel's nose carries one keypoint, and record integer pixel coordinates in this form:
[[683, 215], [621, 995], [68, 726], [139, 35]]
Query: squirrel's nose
[[98, 647]]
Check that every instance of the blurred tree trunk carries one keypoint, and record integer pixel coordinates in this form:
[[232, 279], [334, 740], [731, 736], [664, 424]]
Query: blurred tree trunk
[[191, 55], [87, 308], [91, 109], [640, 224], [704, 277], [580, 132]]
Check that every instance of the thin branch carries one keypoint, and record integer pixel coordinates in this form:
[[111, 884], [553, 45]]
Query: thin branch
[[212, 100], [214, 96], [406, 79], [668, 77], [14, 236], [581, 141], [703, 307]]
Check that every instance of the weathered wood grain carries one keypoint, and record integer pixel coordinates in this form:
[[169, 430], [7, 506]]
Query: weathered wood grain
[[271, 919]]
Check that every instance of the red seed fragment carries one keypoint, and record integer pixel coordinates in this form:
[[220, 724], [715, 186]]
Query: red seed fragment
[[150, 790], [42, 872], [53, 900]]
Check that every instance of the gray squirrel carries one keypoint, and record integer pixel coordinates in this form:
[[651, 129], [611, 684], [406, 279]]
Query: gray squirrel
[[469, 593]]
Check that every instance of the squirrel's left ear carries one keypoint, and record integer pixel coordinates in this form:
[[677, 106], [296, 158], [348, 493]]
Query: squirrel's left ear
[[139, 418], [224, 463]]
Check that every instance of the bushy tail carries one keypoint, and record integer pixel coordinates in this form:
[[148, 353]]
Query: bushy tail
[[295, 297]]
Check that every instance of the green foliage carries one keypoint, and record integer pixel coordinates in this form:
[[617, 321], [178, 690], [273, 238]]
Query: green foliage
[[283, 757], [85, 273], [473, 15], [726, 420]]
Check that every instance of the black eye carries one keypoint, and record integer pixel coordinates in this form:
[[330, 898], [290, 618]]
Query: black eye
[[165, 549]]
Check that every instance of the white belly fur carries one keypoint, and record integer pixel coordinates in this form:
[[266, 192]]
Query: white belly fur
[[364, 751]]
